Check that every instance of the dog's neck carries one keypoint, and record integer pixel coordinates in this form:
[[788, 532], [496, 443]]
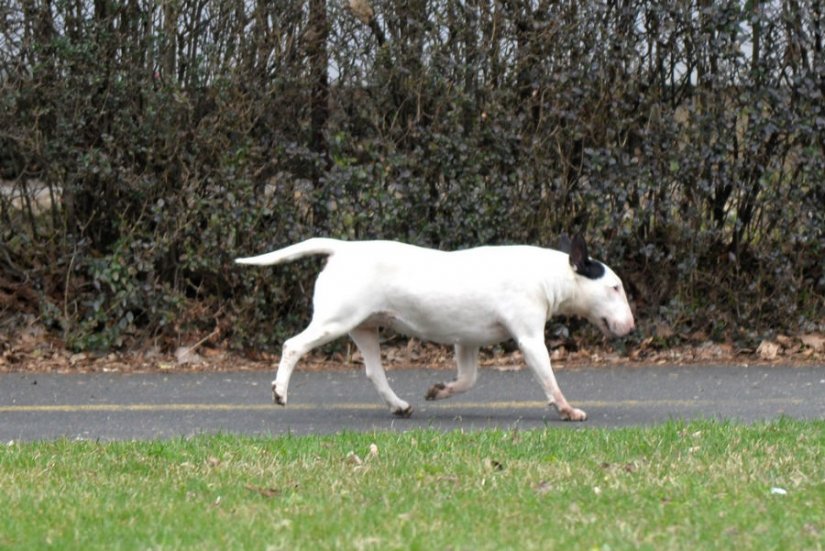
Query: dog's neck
[[560, 290]]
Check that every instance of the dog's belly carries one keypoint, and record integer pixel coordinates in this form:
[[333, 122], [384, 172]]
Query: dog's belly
[[443, 330]]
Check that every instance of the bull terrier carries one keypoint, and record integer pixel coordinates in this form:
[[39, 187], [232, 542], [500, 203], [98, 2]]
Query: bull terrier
[[468, 298]]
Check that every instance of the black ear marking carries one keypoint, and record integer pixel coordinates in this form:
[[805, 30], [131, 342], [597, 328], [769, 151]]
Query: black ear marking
[[581, 262]]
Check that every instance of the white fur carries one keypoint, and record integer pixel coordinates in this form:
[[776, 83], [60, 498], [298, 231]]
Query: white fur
[[469, 298]]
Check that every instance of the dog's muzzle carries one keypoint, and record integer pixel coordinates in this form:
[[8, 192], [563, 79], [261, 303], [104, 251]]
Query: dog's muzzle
[[616, 329]]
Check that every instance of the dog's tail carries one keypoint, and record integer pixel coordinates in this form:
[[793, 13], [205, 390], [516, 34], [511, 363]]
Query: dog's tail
[[316, 245]]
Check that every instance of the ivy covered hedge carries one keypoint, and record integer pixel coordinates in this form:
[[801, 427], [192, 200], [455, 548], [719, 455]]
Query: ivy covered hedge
[[144, 145]]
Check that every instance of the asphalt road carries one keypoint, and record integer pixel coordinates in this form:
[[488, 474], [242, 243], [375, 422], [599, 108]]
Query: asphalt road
[[112, 406]]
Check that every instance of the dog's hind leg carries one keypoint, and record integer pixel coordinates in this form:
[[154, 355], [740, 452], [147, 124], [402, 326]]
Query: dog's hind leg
[[316, 334], [467, 361], [366, 339]]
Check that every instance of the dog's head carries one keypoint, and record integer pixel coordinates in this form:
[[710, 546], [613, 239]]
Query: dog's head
[[599, 295]]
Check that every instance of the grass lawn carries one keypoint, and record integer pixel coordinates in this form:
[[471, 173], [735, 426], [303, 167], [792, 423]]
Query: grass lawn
[[697, 485]]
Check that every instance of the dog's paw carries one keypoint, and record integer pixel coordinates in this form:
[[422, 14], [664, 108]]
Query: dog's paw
[[403, 411], [437, 392], [573, 414], [277, 397]]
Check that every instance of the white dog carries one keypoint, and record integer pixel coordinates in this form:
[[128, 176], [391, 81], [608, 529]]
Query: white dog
[[468, 298]]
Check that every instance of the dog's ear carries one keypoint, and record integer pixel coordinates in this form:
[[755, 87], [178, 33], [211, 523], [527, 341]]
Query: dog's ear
[[581, 262], [578, 253], [564, 243]]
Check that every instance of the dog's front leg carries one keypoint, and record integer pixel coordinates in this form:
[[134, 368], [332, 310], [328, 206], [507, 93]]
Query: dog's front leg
[[538, 359]]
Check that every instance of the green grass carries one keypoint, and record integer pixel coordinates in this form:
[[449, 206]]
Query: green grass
[[692, 485]]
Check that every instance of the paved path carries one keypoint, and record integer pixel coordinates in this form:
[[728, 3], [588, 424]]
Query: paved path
[[142, 406]]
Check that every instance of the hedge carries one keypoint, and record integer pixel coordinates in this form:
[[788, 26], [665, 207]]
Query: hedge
[[145, 144]]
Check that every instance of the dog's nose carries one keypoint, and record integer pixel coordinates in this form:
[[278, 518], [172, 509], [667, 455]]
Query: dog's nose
[[631, 326], [620, 329]]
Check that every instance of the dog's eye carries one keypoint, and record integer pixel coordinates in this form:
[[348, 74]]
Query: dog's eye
[[616, 288]]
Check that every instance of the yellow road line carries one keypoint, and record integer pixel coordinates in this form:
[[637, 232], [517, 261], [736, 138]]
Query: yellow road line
[[142, 407]]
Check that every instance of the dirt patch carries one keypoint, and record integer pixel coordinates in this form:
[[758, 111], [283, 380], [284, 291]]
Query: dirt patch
[[33, 349]]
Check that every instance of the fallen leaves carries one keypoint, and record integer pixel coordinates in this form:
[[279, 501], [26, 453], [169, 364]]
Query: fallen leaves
[[187, 355], [805, 346], [271, 491], [768, 350], [33, 349], [492, 465], [262, 491], [355, 460], [814, 342]]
